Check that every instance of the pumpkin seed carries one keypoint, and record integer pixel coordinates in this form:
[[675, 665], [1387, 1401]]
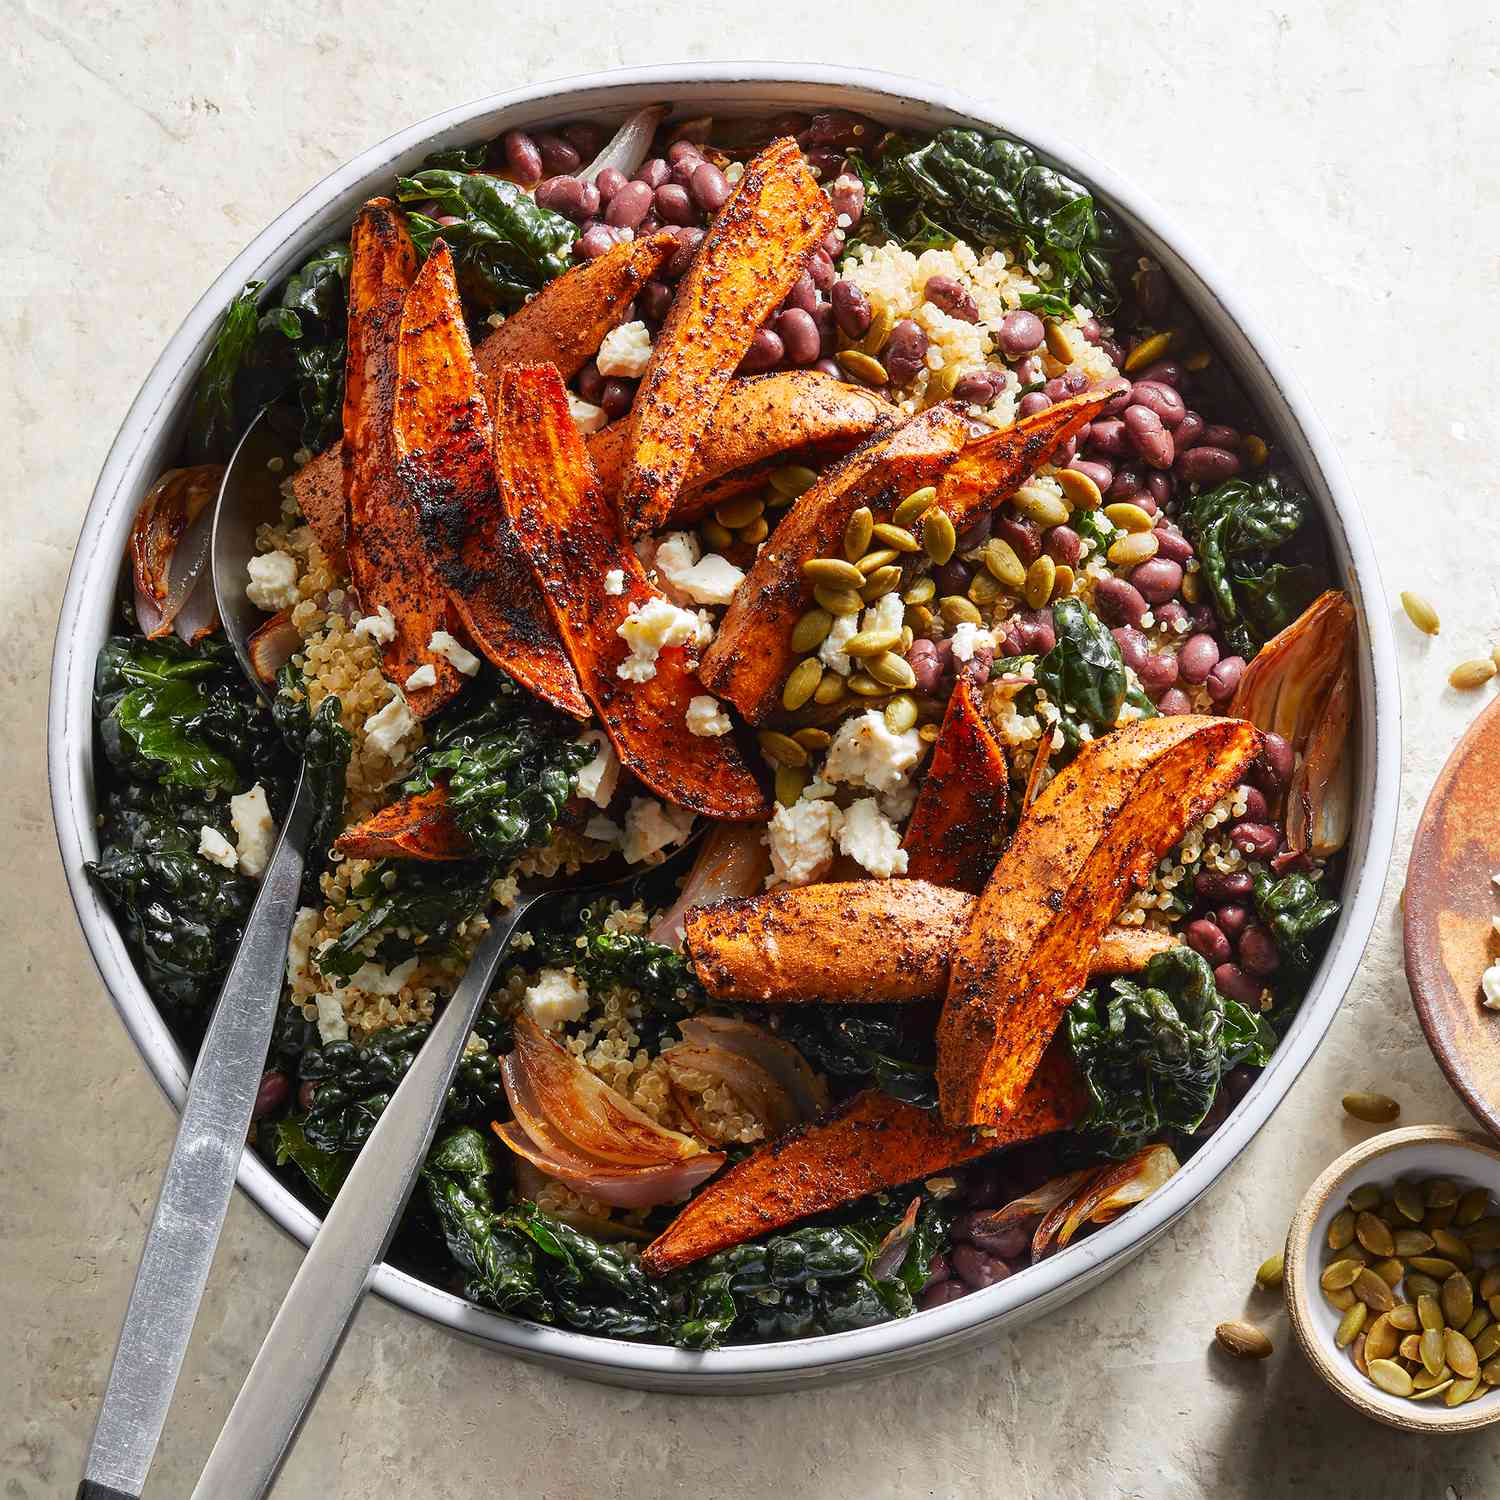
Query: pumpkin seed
[[1341, 1298], [914, 504], [1148, 351], [1408, 1200], [838, 601], [919, 618], [1480, 1323], [811, 630], [801, 684], [813, 738], [740, 511], [790, 782], [871, 642], [1341, 1229], [1372, 1290], [1001, 561], [1404, 1317], [1460, 1354], [956, 610], [1429, 1312], [1489, 1283], [717, 536], [1461, 1390], [1420, 613], [1453, 1246], [1432, 1265], [1468, 675], [1040, 505], [1357, 1354], [830, 690], [1411, 1346], [880, 583], [755, 533], [1268, 1275], [862, 366], [1256, 451], [1424, 1379], [1059, 343], [1430, 1351], [1350, 1325], [876, 559], [1192, 590], [896, 536], [1063, 584], [1374, 1234], [1389, 1271], [792, 480], [857, 532], [1483, 1234], [833, 572], [1431, 1391], [928, 733], [1389, 1376], [1471, 1206], [1374, 1109], [1243, 1341], [921, 591], [1129, 517], [1388, 1213], [1457, 1299], [1364, 1199], [865, 686], [1133, 548], [1358, 1252], [984, 590], [1418, 1285], [1081, 491], [938, 536], [901, 713], [1412, 1242], [781, 748], [940, 384], [1439, 1218], [1040, 577], [891, 670], [1489, 1372], [881, 324], [1381, 1338]]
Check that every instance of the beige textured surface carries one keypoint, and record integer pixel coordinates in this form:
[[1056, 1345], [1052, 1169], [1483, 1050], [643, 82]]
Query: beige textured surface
[[1341, 160]]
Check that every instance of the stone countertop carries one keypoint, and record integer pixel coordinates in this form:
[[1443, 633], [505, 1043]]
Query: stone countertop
[[1340, 162]]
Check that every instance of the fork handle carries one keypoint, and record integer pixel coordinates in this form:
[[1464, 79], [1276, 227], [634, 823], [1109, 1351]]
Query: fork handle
[[311, 1323]]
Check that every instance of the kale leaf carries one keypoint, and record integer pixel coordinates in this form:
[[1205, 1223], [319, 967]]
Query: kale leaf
[[215, 426], [505, 246], [1152, 1050], [323, 1168], [1295, 909], [325, 746], [1083, 673], [863, 1046], [1237, 528]]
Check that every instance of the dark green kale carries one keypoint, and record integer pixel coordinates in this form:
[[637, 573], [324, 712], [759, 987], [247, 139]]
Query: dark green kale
[[325, 1170], [1084, 675], [325, 746], [505, 246], [991, 190], [863, 1046], [1295, 908], [215, 425], [1238, 528], [1153, 1050]]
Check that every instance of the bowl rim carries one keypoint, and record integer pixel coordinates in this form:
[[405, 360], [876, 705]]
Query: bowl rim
[[150, 429], [1299, 1265]]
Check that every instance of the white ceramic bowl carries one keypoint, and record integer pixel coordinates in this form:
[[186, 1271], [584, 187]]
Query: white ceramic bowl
[[149, 438]]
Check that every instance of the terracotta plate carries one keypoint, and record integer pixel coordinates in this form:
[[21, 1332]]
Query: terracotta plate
[[1450, 903]]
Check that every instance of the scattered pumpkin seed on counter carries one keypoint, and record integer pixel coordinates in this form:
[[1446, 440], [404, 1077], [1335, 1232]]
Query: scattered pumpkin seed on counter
[[1419, 1316]]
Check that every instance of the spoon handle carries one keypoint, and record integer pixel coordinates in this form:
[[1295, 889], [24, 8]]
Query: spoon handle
[[306, 1332], [199, 1178]]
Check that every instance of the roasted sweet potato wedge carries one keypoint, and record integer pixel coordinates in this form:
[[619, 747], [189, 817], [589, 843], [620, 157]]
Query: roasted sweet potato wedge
[[953, 835], [868, 1144], [572, 539], [761, 421], [416, 827], [793, 944], [565, 323], [387, 556], [1091, 837], [756, 248], [445, 448]]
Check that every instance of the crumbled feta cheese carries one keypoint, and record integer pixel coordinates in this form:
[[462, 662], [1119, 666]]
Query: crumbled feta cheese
[[458, 656], [424, 677], [254, 830], [817, 788], [705, 717], [968, 638], [299, 945], [373, 979], [870, 839], [886, 613], [626, 351], [614, 582], [332, 1026], [801, 839], [586, 416], [385, 730], [215, 848], [273, 581], [897, 803], [650, 826], [379, 627], [707, 579], [648, 631], [597, 780], [605, 830], [831, 653], [557, 995], [864, 752], [1489, 982]]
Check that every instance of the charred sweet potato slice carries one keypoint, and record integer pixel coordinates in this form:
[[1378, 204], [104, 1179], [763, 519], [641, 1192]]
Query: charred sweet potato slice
[[953, 836], [870, 1143], [756, 248], [792, 944], [572, 538], [388, 560], [565, 323], [420, 826], [1090, 838], [445, 447], [761, 421]]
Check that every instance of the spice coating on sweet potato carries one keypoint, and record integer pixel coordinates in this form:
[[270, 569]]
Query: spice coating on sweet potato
[[953, 835], [753, 252], [388, 561], [445, 446], [856, 941], [870, 1143], [1090, 839], [421, 826], [572, 539]]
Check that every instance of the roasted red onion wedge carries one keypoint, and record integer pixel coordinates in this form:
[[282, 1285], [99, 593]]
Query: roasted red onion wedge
[[782, 1061], [733, 861], [169, 544], [272, 645], [620, 1187], [1117, 1188]]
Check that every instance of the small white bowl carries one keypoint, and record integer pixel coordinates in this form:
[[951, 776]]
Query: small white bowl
[[1416, 1151]]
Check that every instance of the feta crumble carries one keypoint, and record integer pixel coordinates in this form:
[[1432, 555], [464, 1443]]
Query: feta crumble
[[626, 351], [424, 677], [650, 826], [698, 578], [385, 730], [706, 718], [379, 627], [649, 630], [968, 638], [558, 995], [865, 753], [801, 839], [831, 653], [614, 582], [870, 839], [457, 655], [273, 581], [1489, 982], [603, 830], [254, 831], [598, 779], [586, 416], [299, 945], [332, 1024], [215, 848], [374, 979]]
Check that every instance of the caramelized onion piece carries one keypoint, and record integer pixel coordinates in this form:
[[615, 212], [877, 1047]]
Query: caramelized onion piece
[[169, 544], [1117, 1188], [782, 1061], [271, 646], [732, 861]]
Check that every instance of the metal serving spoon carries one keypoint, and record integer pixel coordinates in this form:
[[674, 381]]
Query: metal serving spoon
[[205, 1158]]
